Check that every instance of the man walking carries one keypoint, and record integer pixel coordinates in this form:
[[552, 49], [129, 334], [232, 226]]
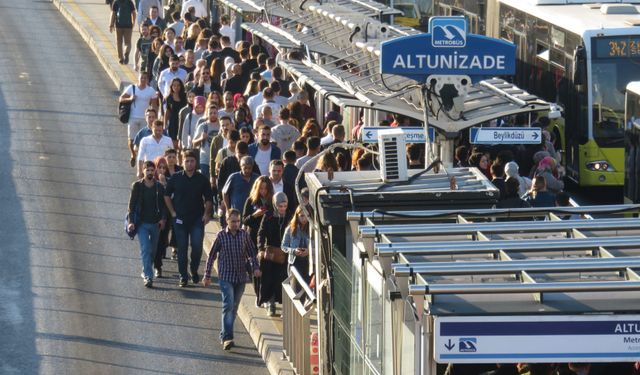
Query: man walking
[[123, 17], [141, 97], [234, 249], [147, 202], [188, 198], [153, 145]]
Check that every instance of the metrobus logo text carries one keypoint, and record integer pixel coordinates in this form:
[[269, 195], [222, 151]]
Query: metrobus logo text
[[448, 33]]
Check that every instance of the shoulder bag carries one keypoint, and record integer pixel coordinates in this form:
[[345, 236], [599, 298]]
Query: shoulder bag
[[124, 109]]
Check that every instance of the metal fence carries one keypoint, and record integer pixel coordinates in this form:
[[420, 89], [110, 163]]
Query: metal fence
[[297, 308]]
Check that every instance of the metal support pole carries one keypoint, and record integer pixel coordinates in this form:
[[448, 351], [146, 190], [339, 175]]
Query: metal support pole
[[425, 112]]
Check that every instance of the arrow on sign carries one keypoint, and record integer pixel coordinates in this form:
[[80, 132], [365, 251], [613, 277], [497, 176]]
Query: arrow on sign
[[449, 345], [535, 136], [369, 134]]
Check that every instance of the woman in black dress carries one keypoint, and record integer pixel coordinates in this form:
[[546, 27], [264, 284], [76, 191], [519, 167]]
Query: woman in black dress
[[257, 205], [270, 234], [173, 104]]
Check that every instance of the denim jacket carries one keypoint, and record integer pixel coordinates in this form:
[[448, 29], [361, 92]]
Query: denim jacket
[[292, 242]]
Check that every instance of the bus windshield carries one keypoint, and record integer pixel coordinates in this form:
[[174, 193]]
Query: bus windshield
[[611, 70]]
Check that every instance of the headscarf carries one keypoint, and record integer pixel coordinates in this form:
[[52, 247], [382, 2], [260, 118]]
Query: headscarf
[[235, 99]]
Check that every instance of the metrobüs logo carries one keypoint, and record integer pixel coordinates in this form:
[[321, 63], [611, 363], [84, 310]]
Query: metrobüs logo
[[467, 344], [448, 32]]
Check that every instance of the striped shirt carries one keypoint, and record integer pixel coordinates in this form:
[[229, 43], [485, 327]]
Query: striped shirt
[[232, 252]]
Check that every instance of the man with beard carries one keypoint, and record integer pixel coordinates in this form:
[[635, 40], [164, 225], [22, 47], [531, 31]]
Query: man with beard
[[153, 145], [236, 190], [188, 198], [147, 214], [262, 151], [167, 75], [205, 132]]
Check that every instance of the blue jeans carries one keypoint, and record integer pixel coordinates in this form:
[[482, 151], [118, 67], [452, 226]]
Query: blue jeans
[[204, 169], [231, 295], [185, 232], [148, 235]]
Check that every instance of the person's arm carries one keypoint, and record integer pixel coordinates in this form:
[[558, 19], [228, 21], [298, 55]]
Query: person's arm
[[132, 201], [133, 14], [141, 157], [211, 258], [127, 96], [199, 136], [112, 20], [208, 202], [251, 252], [286, 242], [263, 233], [136, 56]]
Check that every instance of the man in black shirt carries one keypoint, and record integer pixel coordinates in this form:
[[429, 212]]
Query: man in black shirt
[[147, 215], [189, 200]]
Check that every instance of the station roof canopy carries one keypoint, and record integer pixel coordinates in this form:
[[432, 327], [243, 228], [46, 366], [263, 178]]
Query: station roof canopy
[[482, 262], [340, 41]]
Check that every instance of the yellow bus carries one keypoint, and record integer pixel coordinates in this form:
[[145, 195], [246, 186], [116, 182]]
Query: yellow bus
[[580, 56]]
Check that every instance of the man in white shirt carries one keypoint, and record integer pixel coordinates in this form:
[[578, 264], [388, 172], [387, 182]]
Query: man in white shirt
[[144, 9], [254, 101], [167, 75], [328, 138], [141, 96], [177, 25], [226, 29], [201, 10], [263, 151], [267, 101], [293, 90], [313, 148], [284, 133], [153, 146]]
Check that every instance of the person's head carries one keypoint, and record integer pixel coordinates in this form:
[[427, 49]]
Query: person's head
[[143, 78], [169, 34], [293, 88], [177, 86], [189, 158], [175, 16], [233, 136], [199, 103], [236, 69], [511, 187], [212, 113], [171, 155], [511, 169], [289, 157], [261, 191], [299, 221], [563, 199], [313, 145], [547, 163], [300, 148], [262, 59], [242, 149], [154, 32], [254, 51], [497, 170], [161, 166], [158, 128], [266, 113], [193, 31], [165, 52], [280, 204], [246, 165], [225, 41], [238, 101], [283, 115], [303, 97], [414, 151], [267, 93], [174, 62], [224, 20], [276, 167], [327, 163], [479, 160], [338, 133], [150, 115], [264, 135], [275, 87], [233, 219], [149, 170], [153, 12], [461, 153], [580, 368], [144, 30], [245, 135], [539, 184]]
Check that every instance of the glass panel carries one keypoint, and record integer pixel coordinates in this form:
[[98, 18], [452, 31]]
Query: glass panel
[[408, 340], [374, 318]]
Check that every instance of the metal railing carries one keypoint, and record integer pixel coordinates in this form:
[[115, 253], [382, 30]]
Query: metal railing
[[298, 304]]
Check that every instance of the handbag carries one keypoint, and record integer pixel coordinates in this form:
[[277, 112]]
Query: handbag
[[124, 109], [275, 254]]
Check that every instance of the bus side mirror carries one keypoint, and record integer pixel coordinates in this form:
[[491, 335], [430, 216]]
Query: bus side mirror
[[579, 66]]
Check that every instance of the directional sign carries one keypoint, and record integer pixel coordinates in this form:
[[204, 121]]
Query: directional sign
[[413, 134], [512, 339], [505, 136], [447, 50]]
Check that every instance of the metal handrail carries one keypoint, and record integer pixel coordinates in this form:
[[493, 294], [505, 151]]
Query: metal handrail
[[493, 212], [556, 287], [368, 231], [496, 267], [302, 283], [479, 247]]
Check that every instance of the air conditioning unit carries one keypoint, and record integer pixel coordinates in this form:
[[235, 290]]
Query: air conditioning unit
[[393, 155]]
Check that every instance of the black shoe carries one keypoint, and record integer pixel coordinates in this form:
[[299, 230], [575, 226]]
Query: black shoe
[[158, 273], [183, 283], [121, 61], [195, 277], [132, 161], [148, 283], [126, 60]]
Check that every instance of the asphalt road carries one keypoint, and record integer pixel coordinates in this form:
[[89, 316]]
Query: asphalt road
[[71, 298]]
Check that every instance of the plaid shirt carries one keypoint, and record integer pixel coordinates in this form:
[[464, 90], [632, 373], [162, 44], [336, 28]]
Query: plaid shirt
[[233, 251]]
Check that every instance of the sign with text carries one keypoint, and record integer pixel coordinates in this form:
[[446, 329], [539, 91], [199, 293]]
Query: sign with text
[[505, 136], [447, 50], [511, 339], [413, 134]]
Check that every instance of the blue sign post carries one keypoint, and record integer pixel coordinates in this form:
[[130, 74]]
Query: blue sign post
[[447, 50]]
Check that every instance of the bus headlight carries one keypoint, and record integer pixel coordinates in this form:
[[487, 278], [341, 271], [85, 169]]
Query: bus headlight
[[600, 166]]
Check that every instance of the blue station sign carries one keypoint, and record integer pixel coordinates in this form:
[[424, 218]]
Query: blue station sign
[[447, 50]]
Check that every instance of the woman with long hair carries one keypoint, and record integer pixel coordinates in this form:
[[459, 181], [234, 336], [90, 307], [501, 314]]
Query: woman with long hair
[[169, 37], [311, 129], [257, 205], [296, 112], [270, 237], [192, 36], [156, 44], [162, 61], [296, 243], [217, 68], [173, 104], [251, 89], [215, 98]]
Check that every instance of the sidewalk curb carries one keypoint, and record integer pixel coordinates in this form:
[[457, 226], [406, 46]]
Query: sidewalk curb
[[117, 80], [269, 341]]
